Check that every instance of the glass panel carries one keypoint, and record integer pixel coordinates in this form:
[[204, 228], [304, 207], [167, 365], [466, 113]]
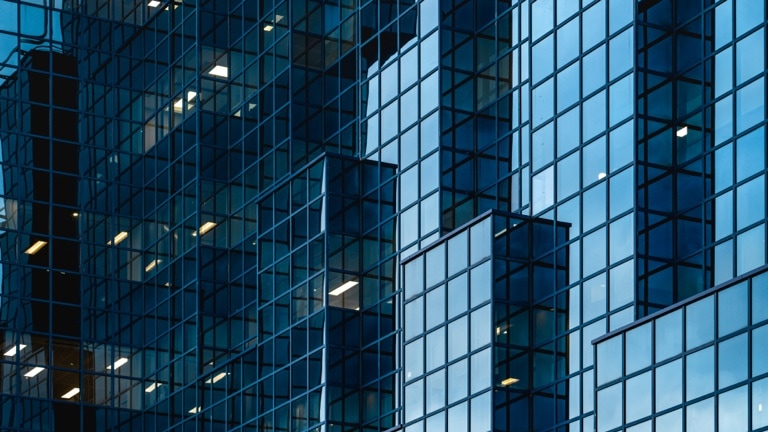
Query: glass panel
[[414, 359], [638, 400], [609, 360], [699, 322], [435, 307], [669, 385], [699, 373], [733, 410], [732, 309], [760, 403], [733, 360], [457, 338], [457, 296], [759, 298], [436, 349], [638, 348], [481, 327], [457, 253], [481, 370], [609, 407], [759, 351], [458, 381], [480, 286], [414, 318], [436, 391], [700, 417], [436, 265]]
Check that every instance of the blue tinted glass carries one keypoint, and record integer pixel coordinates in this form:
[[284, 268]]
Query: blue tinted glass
[[457, 295], [609, 360], [458, 381], [732, 361], [544, 56], [699, 323], [435, 307], [750, 249], [750, 105], [593, 25], [733, 410], [700, 373], [543, 102], [542, 16], [759, 299], [749, 13], [732, 309], [723, 71], [457, 253], [594, 118], [723, 24], [414, 317], [609, 401], [750, 202], [701, 416], [638, 397], [750, 154], [759, 403], [669, 331], [724, 215], [593, 73], [750, 56], [568, 87], [620, 47], [567, 42], [622, 101], [621, 13], [669, 385]]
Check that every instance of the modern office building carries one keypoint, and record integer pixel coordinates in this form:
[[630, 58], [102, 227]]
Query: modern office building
[[381, 215]]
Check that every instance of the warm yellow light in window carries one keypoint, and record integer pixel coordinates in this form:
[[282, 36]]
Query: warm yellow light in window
[[122, 235], [204, 228], [509, 381], [217, 378], [151, 265], [35, 248]]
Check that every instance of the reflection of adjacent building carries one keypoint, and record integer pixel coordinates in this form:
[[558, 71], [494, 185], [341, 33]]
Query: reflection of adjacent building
[[484, 327], [40, 247]]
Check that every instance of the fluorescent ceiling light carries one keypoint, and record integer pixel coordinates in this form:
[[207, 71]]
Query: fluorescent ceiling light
[[268, 27], [34, 371], [12, 352], [71, 393], [217, 378], [683, 131], [194, 410], [601, 175], [35, 248], [509, 381], [75, 214], [152, 265], [278, 18], [344, 287], [205, 228], [153, 3], [119, 362], [219, 71], [500, 233], [152, 387], [179, 104], [122, 235]]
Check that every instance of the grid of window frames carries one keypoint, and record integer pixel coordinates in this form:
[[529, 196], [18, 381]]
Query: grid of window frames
[[698, 366], [479, 314]]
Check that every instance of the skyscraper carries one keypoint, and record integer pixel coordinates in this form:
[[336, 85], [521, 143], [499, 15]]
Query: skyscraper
[[416, 215]]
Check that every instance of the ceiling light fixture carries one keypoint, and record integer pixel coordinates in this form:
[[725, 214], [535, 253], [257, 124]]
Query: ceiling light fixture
[[12, 352], [268, 27], [509, 381], [122, 235], [217, 378], [152, 387], [204, 228], [195, 410], [35, 248], [151, 265], [70, 394], [344, 287], [219, 71], [34, 371], [119, 362], [683, 131], [153, 3]]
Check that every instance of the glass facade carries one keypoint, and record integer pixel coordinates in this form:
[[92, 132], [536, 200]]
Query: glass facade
[[307, 215], [699, 365]]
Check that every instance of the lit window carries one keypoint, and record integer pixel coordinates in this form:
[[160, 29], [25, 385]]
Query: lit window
[[219, 71], [342, 288], [35, 248]]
